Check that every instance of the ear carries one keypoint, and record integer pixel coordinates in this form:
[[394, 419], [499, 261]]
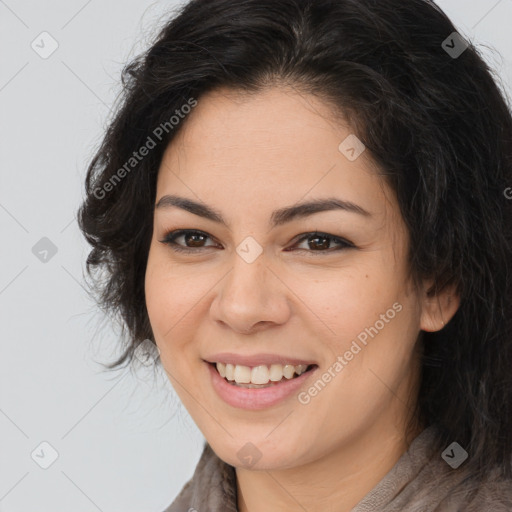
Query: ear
[[437, 310]]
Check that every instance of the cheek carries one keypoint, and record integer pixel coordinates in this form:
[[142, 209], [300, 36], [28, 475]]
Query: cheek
[[174, 300], [167, 315], [371, 357], [165, 297], [351, 301], [372, 320]]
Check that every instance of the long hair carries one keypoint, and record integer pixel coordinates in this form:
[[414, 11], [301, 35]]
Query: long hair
[[431, 115]]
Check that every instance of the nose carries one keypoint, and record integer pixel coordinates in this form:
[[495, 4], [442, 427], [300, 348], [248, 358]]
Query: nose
[[251, 297]]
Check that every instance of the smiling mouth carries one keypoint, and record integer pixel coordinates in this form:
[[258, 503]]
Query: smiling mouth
[[262, 376]]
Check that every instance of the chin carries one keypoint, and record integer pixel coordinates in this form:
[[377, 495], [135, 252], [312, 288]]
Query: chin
[[258, 455]]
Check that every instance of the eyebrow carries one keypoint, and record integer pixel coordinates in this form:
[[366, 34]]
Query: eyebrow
[[278, 217]]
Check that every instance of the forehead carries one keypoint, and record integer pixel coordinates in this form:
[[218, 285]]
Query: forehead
[[274, 146]]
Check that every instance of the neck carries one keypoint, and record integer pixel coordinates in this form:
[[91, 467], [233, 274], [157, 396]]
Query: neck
[[338, 481]]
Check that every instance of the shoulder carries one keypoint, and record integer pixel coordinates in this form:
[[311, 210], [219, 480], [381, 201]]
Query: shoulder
[[423, 481], [212, 487], [492, 494], [445, 489]]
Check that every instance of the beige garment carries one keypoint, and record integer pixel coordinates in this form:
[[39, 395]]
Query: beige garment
[[420, 481]]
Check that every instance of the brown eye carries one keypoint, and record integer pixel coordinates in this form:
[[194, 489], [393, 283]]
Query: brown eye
[[321, 242], [193, 240]]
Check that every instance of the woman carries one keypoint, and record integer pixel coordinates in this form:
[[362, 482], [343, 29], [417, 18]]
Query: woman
[[303, 205]]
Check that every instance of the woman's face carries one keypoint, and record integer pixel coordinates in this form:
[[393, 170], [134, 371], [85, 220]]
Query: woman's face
[[259, 291]]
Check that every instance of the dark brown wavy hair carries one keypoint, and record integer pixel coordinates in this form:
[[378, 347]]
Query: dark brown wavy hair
[[437, 124]]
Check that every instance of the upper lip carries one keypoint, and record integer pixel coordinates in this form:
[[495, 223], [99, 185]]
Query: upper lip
[[256, 359]]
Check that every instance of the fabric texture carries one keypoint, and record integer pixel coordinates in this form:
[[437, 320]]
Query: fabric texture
[[420, 481]]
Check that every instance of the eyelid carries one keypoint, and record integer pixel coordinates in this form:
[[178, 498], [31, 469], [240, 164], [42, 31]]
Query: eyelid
[[343, 242], [170, 236]]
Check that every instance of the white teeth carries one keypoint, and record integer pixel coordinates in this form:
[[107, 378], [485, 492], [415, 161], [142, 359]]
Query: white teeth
[[259, 374], [288, 371], [221, 368], [230, 372], [276, 372], [242, 374]]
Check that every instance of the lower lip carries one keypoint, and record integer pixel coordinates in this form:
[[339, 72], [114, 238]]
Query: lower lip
[[256, 398]]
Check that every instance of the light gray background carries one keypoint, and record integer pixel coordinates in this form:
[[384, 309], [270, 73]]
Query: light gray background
[[124, 442]]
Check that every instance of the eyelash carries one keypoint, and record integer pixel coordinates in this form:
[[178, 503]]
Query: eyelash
[[171, 236]]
